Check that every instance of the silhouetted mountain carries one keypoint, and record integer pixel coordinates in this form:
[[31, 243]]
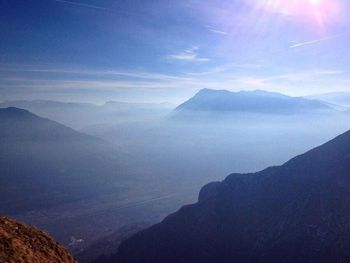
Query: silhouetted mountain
[[22, 243], [223, 101], [297, 212], [338, 98], [43, 163]]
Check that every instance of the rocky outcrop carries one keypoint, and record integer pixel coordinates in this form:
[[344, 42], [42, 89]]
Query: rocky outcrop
[[20, 243]]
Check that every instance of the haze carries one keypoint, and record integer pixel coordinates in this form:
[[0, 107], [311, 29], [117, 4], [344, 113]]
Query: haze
[[114, 114]]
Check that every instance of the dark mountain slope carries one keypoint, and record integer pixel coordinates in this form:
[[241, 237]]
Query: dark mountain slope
[[22, 243], [43, 163], [297, 212], [215, 101]]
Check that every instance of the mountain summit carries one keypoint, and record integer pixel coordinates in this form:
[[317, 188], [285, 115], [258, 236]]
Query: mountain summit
[[297, 212], [207, 100]]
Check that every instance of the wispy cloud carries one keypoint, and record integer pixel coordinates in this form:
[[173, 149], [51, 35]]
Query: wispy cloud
[[43, 77], [316, 41], [216, 31], [48, 79], [299, 83], [303, 76], [188, 55], [47, 70], [81, 4], [225, 67]]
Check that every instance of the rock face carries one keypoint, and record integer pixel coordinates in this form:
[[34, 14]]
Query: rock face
[[20, 243], [297, 212]]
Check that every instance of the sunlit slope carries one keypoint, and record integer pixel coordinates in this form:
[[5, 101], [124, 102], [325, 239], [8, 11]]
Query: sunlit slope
[[23, 243]]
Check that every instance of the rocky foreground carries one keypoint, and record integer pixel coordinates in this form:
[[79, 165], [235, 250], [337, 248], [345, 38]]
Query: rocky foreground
[[22, 243]]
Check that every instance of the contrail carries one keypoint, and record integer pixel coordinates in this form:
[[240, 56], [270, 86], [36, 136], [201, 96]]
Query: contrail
[[218, 32], [317, 41], [81, 4]]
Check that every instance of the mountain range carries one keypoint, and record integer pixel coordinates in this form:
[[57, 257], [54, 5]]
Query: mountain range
[[296, 212], [207, 102]]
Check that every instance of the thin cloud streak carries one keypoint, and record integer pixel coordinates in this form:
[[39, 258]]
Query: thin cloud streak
[[81, 4], [36, 85], [69, 80], [216, 31], [145, 75], [188, 55], [224, 68], [306, 76], [316, 41]]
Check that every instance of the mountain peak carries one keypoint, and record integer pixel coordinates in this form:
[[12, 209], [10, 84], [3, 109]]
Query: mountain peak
[[213, 91], [257, 101]]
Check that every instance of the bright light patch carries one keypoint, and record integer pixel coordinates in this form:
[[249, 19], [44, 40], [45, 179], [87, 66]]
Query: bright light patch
[[317, 12], [315, 2]]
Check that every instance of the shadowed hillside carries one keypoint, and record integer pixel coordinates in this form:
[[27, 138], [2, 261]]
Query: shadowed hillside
[[44, 164], [297, 212]]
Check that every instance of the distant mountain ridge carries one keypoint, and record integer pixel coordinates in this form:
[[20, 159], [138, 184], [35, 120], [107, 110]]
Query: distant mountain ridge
[[17, 119], [297, 212], [337, 98], [214, 101], [44, 164], [80, 115]]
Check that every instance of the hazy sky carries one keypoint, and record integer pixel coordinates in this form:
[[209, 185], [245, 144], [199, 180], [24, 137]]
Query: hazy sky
[[157, 50]]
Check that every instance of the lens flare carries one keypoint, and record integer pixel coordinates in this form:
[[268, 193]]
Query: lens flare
[[320, 13]]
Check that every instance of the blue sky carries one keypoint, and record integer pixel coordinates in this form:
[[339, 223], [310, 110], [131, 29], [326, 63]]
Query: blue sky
[[80, 50]]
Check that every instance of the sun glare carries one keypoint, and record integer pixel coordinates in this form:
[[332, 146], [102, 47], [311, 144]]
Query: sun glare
[[315, 2], [320, 13]]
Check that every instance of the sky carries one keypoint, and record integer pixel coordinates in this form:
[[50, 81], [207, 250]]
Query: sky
[[162, 50]]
